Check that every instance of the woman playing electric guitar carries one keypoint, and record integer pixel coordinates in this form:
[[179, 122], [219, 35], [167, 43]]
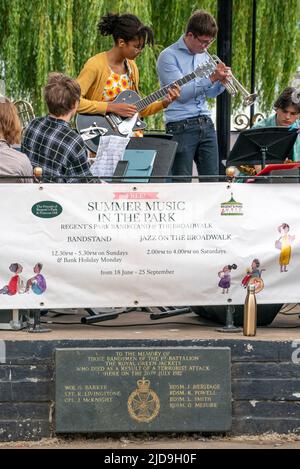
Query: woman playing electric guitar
[[107, 74]]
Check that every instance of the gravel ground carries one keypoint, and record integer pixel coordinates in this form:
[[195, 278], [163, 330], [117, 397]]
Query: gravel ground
[[163, 442]]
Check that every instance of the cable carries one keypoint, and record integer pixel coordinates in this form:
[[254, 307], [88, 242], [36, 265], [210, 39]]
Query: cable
[[129, 325], [290, 309], [157, 324], [63, 323], [290, 314], [282, 327]]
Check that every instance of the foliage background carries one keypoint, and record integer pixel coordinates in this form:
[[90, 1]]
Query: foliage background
[[45, 35]]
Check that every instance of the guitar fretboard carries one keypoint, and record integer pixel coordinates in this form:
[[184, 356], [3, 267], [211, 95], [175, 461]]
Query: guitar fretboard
[[201, 71]]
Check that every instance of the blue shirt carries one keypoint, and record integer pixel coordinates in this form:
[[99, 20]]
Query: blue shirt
[[271, 122], [173, 63]]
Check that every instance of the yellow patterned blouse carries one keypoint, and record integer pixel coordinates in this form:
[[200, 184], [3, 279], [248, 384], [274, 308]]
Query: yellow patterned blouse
[[115, 84]]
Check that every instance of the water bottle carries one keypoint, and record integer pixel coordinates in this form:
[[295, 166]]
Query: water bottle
[[250, 312]]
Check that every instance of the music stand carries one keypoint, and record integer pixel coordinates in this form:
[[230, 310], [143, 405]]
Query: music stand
[[166, 151], [263, 146]]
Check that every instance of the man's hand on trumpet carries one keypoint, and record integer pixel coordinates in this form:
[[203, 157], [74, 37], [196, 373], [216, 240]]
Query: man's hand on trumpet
[[221, 73]]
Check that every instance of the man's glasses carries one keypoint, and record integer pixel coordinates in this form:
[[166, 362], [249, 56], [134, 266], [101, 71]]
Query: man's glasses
[[205, 43]]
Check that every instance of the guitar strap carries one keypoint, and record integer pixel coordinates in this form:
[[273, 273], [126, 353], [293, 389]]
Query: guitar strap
[[130, 74]]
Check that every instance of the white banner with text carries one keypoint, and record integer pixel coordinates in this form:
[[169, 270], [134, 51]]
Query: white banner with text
[[117, 245]]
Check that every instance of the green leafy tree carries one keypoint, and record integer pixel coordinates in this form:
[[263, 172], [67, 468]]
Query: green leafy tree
[[40, 36]]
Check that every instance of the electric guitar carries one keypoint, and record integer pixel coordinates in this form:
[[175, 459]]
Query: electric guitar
[[93, 126]]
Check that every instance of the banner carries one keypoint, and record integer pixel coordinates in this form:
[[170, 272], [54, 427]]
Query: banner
[[118, 245]]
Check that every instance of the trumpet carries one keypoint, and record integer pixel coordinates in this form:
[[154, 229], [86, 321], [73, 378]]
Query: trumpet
[[232, 85]]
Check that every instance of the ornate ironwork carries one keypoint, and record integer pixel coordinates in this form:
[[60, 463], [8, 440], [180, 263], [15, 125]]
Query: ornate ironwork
[[242, 121], [257, 118]]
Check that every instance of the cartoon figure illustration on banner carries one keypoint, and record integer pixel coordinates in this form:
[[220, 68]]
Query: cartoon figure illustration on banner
[[284, 244], [16, 284], [225, 277], [37, 283], [253, 276]]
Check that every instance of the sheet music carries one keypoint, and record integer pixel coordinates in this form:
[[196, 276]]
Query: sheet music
[[110, 150]]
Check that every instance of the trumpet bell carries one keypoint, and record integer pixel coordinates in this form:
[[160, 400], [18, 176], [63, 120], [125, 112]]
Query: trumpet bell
[[232, 85], [249, 99]]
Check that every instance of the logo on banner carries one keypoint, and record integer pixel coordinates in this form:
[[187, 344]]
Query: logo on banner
[[46, 209], [231, 208]]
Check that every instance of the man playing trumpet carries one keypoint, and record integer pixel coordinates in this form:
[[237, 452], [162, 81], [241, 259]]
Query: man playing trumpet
[[188, 118]]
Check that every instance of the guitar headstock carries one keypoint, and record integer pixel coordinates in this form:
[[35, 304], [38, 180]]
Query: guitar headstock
[[204, 70]]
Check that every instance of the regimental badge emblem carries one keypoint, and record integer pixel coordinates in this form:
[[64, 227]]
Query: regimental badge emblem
[[231, 208], [143, 403]]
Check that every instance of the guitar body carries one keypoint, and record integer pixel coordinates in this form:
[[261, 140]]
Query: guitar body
[[110, 122], [91, 127]]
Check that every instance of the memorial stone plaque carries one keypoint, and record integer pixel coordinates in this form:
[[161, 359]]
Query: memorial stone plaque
[[180, 389]]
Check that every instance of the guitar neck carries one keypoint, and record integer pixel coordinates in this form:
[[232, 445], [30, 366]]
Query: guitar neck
[[143, 103]]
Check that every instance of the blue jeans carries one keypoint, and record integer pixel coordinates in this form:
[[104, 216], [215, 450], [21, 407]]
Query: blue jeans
[[197, 141]]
